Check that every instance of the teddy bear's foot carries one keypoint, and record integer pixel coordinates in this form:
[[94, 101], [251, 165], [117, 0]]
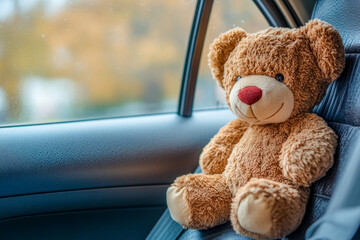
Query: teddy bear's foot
[[199, 201], [178, 206], [264, 209], [254, 213]]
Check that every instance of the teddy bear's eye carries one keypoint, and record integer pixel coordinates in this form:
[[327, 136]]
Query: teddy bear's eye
[[279, 77], [238, 78]]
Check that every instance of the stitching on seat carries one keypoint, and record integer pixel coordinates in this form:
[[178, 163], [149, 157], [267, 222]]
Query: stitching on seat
[[346, 124], [322, 196]]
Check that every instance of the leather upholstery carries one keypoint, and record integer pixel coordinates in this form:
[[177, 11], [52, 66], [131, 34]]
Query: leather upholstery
[[342, 101], [344, 15], [340, 108]]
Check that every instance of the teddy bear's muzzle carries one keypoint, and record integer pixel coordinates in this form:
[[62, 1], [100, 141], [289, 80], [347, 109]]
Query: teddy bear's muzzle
[[260, 99]]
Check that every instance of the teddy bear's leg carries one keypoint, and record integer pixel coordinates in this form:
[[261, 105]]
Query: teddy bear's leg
[[266, 209], [199, 201]]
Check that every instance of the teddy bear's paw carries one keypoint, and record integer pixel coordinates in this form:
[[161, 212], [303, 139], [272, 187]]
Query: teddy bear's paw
[[177, 204], [254, 214]]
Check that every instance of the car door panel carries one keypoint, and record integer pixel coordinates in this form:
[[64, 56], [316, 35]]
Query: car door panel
[[123, 223], [123, 164]]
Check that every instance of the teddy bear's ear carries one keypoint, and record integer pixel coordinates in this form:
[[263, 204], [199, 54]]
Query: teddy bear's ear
[[220, 50], [326, 44]]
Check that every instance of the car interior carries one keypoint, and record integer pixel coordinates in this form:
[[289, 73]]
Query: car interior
[[106, 177]]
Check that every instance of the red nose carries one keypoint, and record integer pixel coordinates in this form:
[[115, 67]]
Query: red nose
[[250, 95]]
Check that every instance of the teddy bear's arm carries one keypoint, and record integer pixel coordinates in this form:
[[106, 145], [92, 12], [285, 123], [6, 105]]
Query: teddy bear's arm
[[308, 152], [213, 158]]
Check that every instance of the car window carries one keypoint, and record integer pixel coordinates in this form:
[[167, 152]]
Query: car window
[[77, 59], [225, 15]]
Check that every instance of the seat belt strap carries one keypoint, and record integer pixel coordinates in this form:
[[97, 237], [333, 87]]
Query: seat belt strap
[[165, 229]]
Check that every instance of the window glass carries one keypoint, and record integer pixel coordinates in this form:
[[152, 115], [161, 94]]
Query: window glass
[[77, 59], [225, 15]]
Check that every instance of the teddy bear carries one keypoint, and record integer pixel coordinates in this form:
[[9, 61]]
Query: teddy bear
[[256, 171]]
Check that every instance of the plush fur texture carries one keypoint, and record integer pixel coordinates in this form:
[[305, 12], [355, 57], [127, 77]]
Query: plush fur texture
[[257, 174]]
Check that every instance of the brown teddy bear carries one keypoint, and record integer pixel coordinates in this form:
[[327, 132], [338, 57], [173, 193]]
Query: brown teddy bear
[[258, 168]]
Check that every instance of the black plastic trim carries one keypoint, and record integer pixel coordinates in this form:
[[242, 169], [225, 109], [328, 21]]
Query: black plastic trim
[[193, 56], [272, 13], [293, 13]]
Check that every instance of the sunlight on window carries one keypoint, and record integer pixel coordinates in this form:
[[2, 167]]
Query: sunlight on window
[[77, 59]]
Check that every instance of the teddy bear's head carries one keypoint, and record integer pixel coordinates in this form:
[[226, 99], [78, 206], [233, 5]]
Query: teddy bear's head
[[277, 73]]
